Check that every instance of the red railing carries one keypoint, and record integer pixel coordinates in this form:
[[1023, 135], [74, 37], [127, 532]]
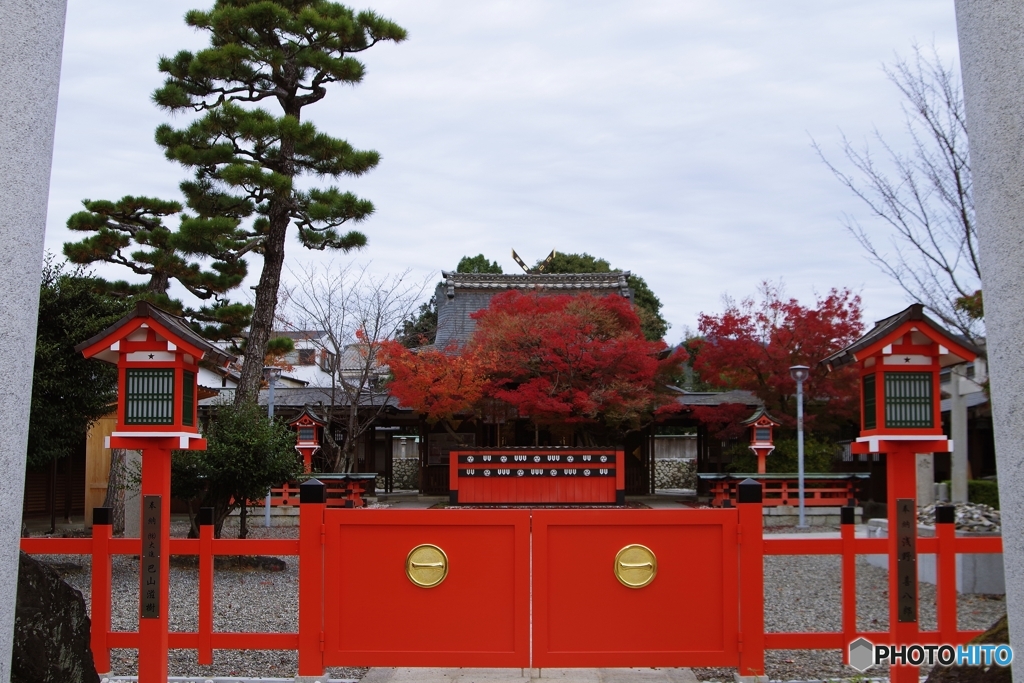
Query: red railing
[[945, 545], [820, 492], [310, 549]]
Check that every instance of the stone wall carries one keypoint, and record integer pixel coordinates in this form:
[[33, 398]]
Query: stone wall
[[675, 473], [406, 472]]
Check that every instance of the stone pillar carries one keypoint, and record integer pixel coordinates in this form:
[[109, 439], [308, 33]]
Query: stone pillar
[[925, 478], [958, 433], [132, 504], [991, 34], [31, 42]]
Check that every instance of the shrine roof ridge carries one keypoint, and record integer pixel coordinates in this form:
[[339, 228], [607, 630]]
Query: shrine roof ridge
[[612, 280]]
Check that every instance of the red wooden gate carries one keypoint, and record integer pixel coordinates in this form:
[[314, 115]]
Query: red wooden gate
[[476, 615], [685, 563]]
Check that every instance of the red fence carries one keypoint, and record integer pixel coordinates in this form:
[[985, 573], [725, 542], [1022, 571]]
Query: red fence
[[525, 476], [710, 564]]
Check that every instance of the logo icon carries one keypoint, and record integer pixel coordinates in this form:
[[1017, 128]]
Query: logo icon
[[861, 651]]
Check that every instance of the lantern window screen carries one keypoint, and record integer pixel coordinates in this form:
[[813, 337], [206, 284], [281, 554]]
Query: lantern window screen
[[188, 395], [870, 422], [305, 433], [762, 434], [908, 399], [149, 398]]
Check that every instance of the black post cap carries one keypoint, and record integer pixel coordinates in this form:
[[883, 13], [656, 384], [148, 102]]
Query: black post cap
[[102, 516], [847, 515], [312, 491], [205, 516], [727, 503], [749, 491], [945, 514]]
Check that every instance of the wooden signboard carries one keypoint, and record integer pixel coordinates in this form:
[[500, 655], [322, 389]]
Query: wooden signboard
[[149, 562]]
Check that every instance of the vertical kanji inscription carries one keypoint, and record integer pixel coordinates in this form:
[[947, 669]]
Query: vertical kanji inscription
[[149, 561]]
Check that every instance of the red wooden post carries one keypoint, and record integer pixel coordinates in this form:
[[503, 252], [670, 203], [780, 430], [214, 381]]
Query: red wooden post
[[901, 473], [205, 586], [945, 564], [847, 517], [102, 518], [156, 481], [751, 579], [313, 502]]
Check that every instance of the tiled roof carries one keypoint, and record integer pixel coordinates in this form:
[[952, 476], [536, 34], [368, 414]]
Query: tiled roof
[[559, 281], [717, 398]]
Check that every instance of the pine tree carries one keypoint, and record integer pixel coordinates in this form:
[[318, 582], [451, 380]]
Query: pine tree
[[132, 233], [247, 159]]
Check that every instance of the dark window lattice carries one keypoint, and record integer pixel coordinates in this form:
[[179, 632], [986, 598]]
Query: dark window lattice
[[188, 415], [762, 433], [908, 399], [870, 421], [305, 433], [149, 398]]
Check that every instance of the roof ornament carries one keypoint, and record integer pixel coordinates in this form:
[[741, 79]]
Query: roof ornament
[[539, 269]]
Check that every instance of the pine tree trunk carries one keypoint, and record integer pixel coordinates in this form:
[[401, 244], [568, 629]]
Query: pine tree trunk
[[265, 307], [115, 489]]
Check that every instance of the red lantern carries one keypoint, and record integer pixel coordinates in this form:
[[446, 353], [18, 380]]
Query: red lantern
[[762, 442], [308, 428]]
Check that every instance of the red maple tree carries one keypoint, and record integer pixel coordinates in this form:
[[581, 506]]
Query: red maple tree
[[556, 359], [751, 345]]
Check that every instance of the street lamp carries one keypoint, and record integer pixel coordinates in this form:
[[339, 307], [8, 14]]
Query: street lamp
[[800, 373], [271, 374]]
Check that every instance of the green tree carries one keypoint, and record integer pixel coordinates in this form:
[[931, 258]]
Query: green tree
[[131, 232], [819, 455], [69, 392], [648, 304], [247, 159], [246, 453], [477, 264]]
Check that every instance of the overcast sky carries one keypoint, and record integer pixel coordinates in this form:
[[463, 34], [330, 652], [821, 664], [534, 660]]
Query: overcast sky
[[671, 137]]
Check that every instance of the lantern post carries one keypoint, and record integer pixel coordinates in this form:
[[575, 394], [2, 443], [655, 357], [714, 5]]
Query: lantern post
[[800, 373], [308, 427], [899, 361], [157, 356]]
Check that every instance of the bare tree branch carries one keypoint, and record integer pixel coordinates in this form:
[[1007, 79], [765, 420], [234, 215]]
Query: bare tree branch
[[354, 311], [923, 197]]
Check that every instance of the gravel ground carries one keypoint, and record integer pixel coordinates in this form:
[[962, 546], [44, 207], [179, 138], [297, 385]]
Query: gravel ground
[[802, 593], [244, 600]]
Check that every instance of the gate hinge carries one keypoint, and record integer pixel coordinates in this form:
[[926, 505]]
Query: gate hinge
[[739, 642], [739, 535], [323, 534], [321, 641]]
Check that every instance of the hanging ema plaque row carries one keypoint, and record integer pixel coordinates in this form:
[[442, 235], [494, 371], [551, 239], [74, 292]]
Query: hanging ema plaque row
[[149, 562]]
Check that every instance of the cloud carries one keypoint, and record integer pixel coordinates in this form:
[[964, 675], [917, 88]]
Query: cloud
[[671, 138]]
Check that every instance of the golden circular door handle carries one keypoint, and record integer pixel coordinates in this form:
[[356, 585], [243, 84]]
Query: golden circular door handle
[[635, 566], [426, 565]]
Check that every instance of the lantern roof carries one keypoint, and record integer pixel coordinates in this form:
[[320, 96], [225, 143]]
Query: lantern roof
[[308, 413], [170, 327], [954, 349], [758, 414]]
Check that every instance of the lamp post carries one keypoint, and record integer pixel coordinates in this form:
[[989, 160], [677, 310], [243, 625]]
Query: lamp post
[[270, 373], [800, 373]]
